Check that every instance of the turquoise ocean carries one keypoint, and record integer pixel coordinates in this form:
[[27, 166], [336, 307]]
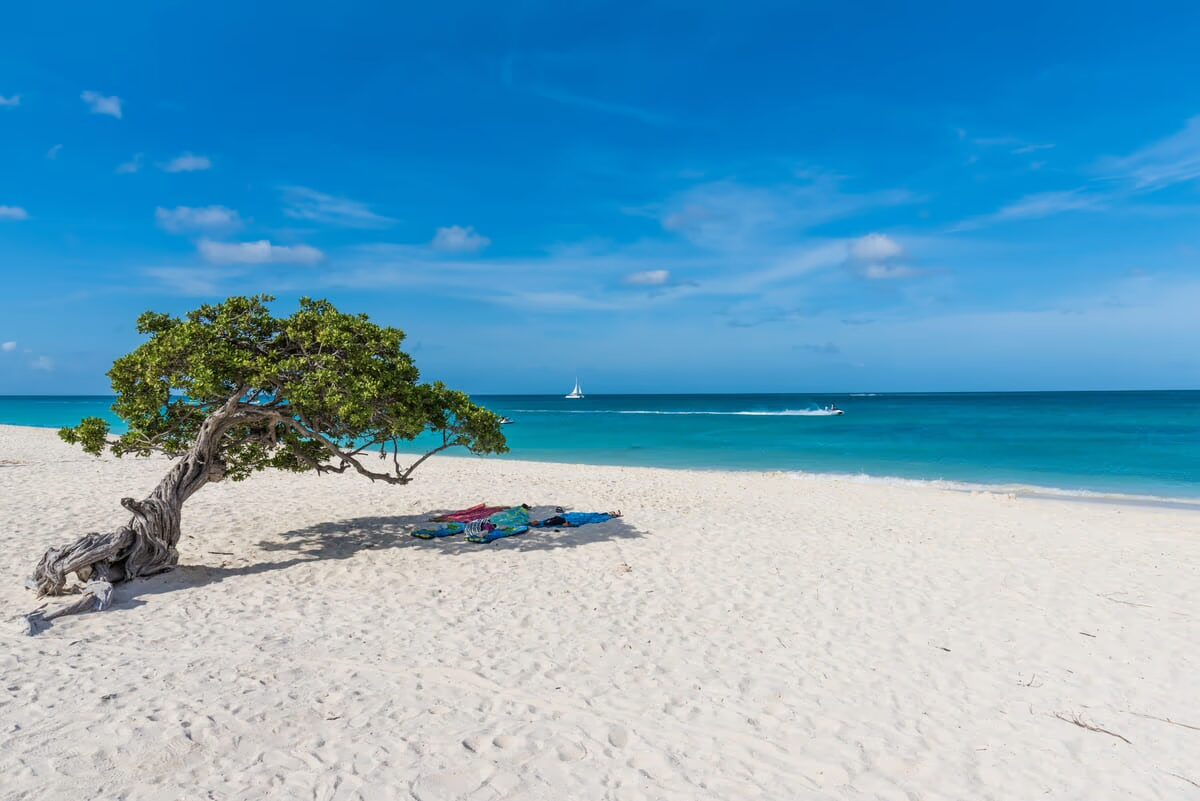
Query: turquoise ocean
[[1126, 443]]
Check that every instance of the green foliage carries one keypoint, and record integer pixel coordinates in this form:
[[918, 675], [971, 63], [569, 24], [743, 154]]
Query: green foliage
[[313, 390], [91, 434]]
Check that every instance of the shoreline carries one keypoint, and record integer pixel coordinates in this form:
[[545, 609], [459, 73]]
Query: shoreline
[[1018, 490]]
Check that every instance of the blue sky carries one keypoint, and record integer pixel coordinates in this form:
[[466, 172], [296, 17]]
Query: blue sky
[[659, 196]]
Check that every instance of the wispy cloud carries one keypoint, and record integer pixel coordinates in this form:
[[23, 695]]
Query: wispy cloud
[[746, 245], [13, 213], [43, 363], [186, 219], [189, 280], [1037, 206], [648, 278], [259, 252], [752, 314], [1011, 144], [101, 104], [302, 203], [602, 106], [728, 216], [8, 347], [824, 348], [888, 272], [10, 102], [1171, 160], [187, 162], [131, 166], [1045, 204], [575, 100], [53, 152], [459, 239]]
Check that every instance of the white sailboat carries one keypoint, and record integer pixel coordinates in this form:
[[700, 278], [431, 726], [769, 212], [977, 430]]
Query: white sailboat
[[576, 393]]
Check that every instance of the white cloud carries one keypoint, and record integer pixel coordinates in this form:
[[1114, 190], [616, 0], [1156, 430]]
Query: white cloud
[[131, 166], [10, 102], [875, 247], [42, 363], [302, 203], [260, 252], [53, 152], [8, 347], [100, 104], [184, 219], [649, 278], [187, 162], [457, 239], [13, 213], [873, 257], [887, 272]]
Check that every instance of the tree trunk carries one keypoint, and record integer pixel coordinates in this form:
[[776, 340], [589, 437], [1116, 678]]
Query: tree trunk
[[142, 547]]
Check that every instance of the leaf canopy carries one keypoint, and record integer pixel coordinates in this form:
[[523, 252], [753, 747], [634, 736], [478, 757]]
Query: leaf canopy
[[317, 390]]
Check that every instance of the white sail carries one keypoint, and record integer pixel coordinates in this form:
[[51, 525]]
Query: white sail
[[577, 392]]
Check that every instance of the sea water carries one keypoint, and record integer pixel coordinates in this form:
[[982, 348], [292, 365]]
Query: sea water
[[1140, 443]]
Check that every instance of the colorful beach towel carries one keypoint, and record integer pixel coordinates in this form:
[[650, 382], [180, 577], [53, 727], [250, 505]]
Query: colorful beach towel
[[441, 531], [477, 512], [510, 518], [572, 519], [496, 534]]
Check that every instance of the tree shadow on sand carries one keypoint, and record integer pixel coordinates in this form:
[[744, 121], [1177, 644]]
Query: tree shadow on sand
[[338, 540], [343, 539]]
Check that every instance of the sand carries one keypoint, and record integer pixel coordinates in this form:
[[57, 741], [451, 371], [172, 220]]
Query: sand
[[735, 636]]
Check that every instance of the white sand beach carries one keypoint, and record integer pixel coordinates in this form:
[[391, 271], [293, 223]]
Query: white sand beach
[[734, 636]]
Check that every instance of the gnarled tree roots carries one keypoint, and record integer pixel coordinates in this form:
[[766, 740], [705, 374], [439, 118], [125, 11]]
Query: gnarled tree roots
[[143, 547]]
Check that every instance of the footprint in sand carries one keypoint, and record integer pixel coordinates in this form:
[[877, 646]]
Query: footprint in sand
[[618, 737], [571, 752], [507, 742]]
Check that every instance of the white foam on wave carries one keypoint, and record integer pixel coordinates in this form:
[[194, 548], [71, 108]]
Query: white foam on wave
[[780, 413]]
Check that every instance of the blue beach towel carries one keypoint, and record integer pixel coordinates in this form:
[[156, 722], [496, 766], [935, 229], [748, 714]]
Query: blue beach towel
[[583, 518], [496, 534]]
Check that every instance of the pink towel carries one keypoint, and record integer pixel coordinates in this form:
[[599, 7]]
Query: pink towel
[[478, 512]]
